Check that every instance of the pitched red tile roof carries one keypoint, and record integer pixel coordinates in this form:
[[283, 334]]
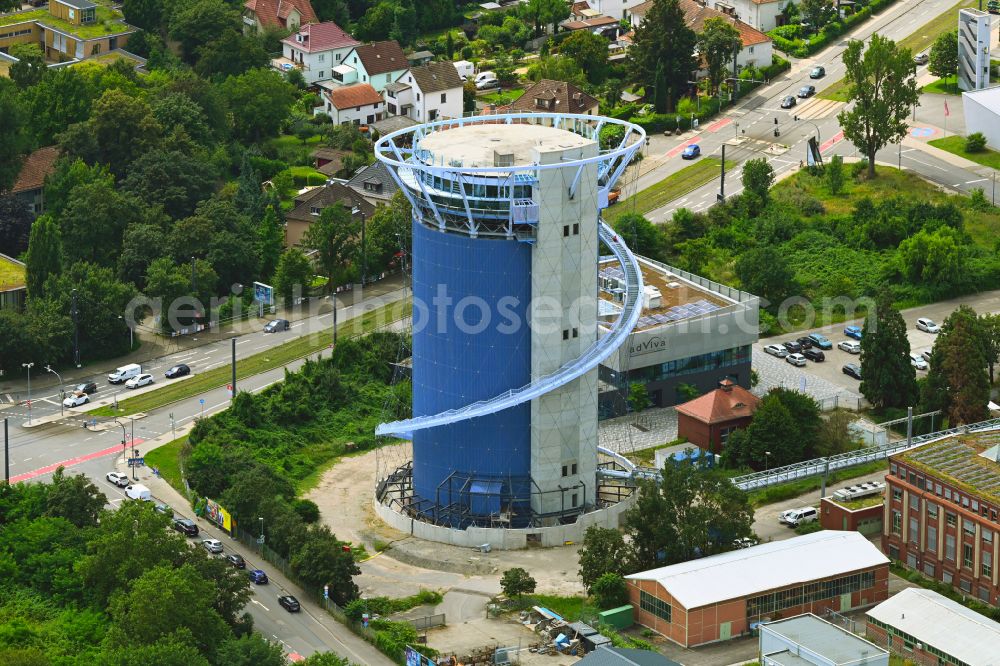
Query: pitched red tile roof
[[321, 37], [272, 13], [596, 22], [359, 94], [696, 14], [730, 402], [36, 167], [568, 98], [382, 57]]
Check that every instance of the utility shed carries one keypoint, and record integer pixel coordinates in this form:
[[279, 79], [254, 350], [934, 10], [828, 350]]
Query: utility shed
[[806, 640], [612, 656]]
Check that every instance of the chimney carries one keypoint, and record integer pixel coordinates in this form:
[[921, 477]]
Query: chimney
[[726, 385]]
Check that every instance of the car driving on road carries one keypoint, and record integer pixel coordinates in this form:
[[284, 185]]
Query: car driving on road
[[257, 576], [137, 382], [289, 603], [927, 325], [807, 91], [117, 478], [921, 58], [177, 371], [75, 400], [691, 152], [818, 72], [86, 387], [276, 325], [236, 560], [788, 102]]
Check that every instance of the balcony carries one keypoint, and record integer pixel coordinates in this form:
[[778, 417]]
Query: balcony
[[283, 64]]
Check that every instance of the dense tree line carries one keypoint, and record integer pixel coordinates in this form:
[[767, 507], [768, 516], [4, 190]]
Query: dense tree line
[[83, 584]]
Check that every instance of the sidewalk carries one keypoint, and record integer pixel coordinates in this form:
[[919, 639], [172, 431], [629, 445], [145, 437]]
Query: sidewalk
[[155, 346], [341, 640]]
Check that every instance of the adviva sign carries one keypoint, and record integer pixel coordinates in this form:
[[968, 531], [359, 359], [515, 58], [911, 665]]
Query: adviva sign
[[648, 346]]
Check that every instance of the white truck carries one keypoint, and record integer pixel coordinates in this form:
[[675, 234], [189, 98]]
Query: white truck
[[137, 491], [125, 373]]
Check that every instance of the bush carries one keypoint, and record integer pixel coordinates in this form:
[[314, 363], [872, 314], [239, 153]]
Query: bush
[[610, 591], [306, 510], [975, 143], [516, 582], [859, 168]]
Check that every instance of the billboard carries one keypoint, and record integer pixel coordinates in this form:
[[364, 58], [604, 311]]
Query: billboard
[[218, 515], [414, 658], [263, 293]]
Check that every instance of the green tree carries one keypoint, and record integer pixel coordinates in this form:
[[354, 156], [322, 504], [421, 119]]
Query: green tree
[[195, 23], [943, 61], [332, 10], [270, 241], [835, 435], [249, 198], [642, 236], [75, 498], [388, 232], [516, 582], [177, 111], [259, 101], [661, 94], [15, 225], [546, 13], [145, 14], [882, 85], [404, 23], [764, 271], [603, 551], [13, 133], [120, 129], [174, 650], [890, 380], [375, 22], [29, 68], [142, 244], [663, 39], [589, 51], [163, 601], [325, 659], [772, 438], [990, 327], [44, 257], [557, 68], [805, 412], [817, 13], [834, 173], [958, 381], [335, 237], [718, 43], [101, 298], [933, 258], [294, 270], [638, 396], [692, 512], [231, 54], [94, 222], [251, 650], [758, 177], [68, 174], [610, 591], [170, 179], [322, 560], [63, 97]]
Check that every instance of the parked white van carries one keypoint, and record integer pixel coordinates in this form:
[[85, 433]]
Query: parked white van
[[124, 373], [796, 517], [139, 492]]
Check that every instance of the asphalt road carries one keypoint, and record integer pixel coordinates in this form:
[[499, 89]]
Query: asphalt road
[[747, 130]]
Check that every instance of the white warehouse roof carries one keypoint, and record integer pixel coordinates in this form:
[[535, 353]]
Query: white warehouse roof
[[769, 566], [937, 621]]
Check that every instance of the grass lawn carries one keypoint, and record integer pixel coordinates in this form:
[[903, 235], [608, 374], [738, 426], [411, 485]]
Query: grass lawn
[[167, 459], [672, 187], [11, 274], [570, 608], [784, 491], [983, 226], [646, 457], [252, 365], [956, 146], [942, 87], [502, 97], [836, 91], [307, 175]]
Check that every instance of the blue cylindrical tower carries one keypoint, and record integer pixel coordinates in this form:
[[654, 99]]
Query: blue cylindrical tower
[[506, 337]]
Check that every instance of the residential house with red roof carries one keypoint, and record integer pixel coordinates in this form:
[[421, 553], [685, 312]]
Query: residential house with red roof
[[708, 420], [757, 47], [377, 64], [259, 15], [426, 93], [30, 183], [359, 104], [315, 50]]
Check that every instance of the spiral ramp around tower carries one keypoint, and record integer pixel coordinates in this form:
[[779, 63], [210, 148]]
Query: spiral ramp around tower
[[574, 369]]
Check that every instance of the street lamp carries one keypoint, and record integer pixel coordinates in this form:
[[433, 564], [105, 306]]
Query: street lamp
[[62, 388], [131, 338], [767, 459], [132, 421], [122, 426], [260, 541], [29, 366]]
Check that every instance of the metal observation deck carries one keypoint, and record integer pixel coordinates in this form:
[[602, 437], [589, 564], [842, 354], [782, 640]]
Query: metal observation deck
[[489, 199]]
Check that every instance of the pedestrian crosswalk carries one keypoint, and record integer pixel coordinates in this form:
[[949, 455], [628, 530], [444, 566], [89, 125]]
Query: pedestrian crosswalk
[[818, 108]]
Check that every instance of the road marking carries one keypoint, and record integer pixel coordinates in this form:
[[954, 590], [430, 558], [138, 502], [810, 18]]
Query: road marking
[[27, 460], [243, 342], [10, 398], [719, 124], [829, 143], [262, 606], [970, 182], [69, 463], [678, 149]]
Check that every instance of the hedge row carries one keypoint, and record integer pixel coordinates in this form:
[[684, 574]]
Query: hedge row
[[786, 38]]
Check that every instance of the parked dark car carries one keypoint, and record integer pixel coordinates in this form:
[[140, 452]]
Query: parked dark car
[[814, 355], [792, 346], [236, 560], [186, 526], [821, 341], [276, 326], [852, 370], [788, 102], [289, 603], [257, 576], [806, 342], [177, 371], [85, 387]]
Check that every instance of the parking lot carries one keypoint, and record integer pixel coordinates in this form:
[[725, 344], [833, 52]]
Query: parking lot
[[826, 379]]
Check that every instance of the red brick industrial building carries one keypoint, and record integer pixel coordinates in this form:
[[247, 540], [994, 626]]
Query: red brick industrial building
[[707, 420], [720, 597], [941, 512]]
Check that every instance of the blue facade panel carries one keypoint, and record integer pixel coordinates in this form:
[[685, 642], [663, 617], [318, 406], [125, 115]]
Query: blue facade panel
[[471, 342]]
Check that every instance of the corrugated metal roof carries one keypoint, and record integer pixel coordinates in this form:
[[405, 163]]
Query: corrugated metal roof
[[937, 621], [829, 641], [612, 656], [769, 566]]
